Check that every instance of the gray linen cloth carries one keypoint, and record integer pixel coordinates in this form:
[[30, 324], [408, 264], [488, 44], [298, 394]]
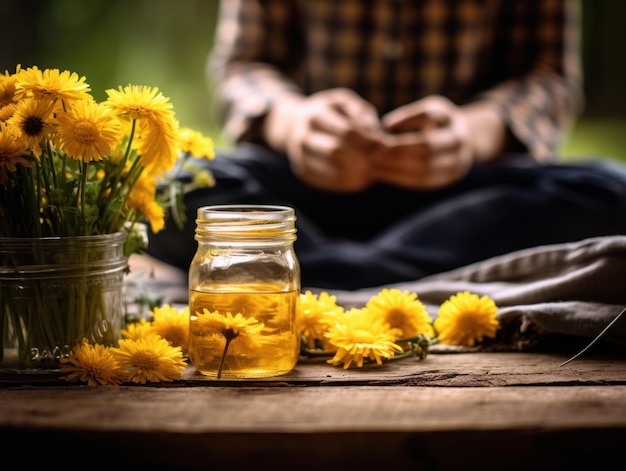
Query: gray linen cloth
[[574, 290], [571, 289]]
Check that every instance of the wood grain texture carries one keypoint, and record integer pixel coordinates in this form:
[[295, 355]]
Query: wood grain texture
[[449, 411]]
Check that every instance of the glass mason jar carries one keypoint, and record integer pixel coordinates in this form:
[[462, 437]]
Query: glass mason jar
[[244, 287], [55, 291]]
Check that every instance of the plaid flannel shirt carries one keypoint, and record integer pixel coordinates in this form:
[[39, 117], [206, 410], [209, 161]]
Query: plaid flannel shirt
[[523, 55]]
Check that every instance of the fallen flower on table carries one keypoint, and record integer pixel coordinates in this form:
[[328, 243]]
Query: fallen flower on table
[[464, 319], [392, 325], [172, 324], [146, 354], [317, 315], [150, 359], [164, 321], [402, 311], [92, 364], [138, 329], [358, 337]]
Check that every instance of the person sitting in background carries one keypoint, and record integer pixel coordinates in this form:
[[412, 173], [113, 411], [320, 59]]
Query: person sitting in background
[[410, 137]]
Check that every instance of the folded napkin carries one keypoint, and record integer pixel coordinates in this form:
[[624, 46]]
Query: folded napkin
[[571, 289]]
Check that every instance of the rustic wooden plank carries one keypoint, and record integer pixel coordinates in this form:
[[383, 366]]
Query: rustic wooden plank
[[450, 411], [465, 450], [437, 369], [297, 409], [319, 428], [456, 369]]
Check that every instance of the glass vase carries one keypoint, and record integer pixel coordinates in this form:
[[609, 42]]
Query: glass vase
[[56, 291]]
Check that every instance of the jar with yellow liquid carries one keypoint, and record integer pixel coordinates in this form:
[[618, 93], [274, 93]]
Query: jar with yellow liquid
[[244, 286]]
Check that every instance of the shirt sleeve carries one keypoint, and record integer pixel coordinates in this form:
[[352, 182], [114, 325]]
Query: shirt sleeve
[[541, 105], [527, 63], [253, 49]]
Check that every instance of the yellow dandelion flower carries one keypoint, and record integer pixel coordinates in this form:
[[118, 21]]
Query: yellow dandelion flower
[[359, 338], [33, 120], [50, 84], [403, 311], [92, 364], [464, 319], [137, 330], [88, 131], [154, 213], [203, 178], [244, 331], [244, 334], [7, 89], [317, 314], [157, 145], [262, 304], [150, 359], [7, 111], [207, 349], [12, 151], [195, 143], [172, 324], [138, 102], [142, 198], [156, 126]]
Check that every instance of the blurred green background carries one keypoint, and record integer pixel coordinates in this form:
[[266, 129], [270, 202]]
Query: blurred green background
[[164, 43]]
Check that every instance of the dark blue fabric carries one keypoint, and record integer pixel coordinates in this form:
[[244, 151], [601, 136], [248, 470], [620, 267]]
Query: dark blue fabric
[[387, 235]]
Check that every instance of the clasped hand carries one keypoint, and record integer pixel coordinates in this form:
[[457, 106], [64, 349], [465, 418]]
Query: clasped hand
[[336, 141]]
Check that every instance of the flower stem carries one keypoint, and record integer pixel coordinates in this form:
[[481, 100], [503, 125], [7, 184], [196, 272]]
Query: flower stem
[[115, 185], [219, 370], [595, 339], [83, 197], [229, 335]]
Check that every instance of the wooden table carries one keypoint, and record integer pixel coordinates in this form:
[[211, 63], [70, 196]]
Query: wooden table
[[449, 411]]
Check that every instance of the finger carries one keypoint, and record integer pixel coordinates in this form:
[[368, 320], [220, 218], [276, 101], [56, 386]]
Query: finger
[[421, 160], [360, 113], [401, 122], [427, 175], [328, 174], [321, 156], [331, 120], [429, 142], [347, 135]]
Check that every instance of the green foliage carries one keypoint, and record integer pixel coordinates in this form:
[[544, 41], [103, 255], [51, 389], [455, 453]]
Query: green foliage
[[161, 43], [165, 43], [597, 137]]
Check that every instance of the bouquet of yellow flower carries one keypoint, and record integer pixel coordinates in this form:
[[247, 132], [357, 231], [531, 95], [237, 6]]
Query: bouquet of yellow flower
[[74, 170], [70, 166]]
